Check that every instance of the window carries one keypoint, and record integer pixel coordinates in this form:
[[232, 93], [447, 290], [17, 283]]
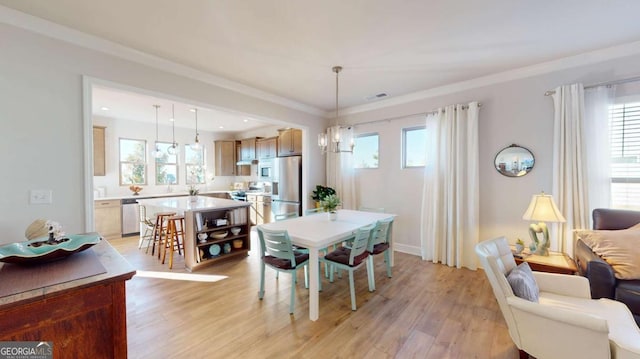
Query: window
[[414, 150], [194, 165], [133, 162], [365, 152], [166, 165], [624, 122]]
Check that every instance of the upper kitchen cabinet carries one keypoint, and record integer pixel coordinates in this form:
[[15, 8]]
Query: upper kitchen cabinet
[[248, 149], [225, 157], [289, 142], [99, 168], [267, 147]]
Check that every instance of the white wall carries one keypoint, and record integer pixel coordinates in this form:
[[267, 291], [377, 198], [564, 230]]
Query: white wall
[[41, 113], [512, 112]]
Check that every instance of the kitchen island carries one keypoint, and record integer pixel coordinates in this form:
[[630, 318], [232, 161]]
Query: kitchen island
[[208, 235]]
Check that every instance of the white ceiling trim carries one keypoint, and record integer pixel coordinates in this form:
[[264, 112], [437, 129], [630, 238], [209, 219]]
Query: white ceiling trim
[[56, 31], [587, 58], [47, 28]]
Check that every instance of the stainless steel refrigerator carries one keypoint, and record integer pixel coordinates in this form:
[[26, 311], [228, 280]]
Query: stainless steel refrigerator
[[286, 191]]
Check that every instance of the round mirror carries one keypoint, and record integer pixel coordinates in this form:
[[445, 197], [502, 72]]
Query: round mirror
[[514, 161]]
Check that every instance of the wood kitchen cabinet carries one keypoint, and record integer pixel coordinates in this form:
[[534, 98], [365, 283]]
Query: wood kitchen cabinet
[[225, 157], [248, 149], [99, 160], [267, 147], [290, 142], [108, 221]]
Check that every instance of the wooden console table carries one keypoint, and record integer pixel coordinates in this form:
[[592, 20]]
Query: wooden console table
[[84, 318], [555, 262]]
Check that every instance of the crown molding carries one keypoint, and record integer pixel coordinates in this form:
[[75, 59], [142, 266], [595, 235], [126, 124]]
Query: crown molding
[[59, 32], [587, 58]]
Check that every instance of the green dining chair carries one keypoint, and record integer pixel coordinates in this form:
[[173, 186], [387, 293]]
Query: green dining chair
[[283, 216], [350, 259], [277, 252], [380, 244], [371, 209], [310, 211]]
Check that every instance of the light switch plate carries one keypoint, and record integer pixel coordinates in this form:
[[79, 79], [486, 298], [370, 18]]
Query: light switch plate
[[40, 196]]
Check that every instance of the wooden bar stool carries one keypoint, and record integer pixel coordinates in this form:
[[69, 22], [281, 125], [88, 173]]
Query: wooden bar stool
[[160, 230], [175, 235]]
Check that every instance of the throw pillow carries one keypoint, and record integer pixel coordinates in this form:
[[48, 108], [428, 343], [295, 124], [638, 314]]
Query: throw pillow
[[621, 249], [523, 283]]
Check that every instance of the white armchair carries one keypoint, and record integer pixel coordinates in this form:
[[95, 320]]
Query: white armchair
[[566, 322]]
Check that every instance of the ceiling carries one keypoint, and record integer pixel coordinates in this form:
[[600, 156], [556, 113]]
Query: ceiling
[[287, 48]]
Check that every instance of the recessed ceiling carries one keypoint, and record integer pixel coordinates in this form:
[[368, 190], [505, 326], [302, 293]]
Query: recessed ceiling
[[132, 106], [288, 48]]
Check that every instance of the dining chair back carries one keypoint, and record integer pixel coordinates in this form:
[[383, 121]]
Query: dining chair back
[[310, 211], [283, 216], [277, 252], [381, 244], [350, 259], [371, 209]]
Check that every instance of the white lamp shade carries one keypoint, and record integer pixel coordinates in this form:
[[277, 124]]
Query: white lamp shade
[[542, 208]]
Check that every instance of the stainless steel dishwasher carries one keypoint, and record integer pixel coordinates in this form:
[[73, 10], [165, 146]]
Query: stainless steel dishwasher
[[130, 217]]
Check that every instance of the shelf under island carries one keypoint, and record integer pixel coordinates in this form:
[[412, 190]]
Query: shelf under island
[[208, 235]]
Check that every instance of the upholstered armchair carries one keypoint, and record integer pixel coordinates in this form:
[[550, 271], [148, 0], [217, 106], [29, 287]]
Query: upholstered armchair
[[565, 322]]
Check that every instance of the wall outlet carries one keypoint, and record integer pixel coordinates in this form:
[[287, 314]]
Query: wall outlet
[[40, 196]]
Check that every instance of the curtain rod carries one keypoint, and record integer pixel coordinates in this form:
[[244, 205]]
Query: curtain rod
[[608, 83], [432, 112]]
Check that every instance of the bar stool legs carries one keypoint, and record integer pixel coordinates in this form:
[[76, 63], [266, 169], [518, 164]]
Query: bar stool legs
[[174, 237], [160, 231]]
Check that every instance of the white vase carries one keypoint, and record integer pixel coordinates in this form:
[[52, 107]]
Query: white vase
[[193, 198], [333, 215]]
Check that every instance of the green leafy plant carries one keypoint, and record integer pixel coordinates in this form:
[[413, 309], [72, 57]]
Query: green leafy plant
[[321, 192], [193, 190], [330, 203]]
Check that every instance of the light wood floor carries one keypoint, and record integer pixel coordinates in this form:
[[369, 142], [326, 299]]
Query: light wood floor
[[425, 311]]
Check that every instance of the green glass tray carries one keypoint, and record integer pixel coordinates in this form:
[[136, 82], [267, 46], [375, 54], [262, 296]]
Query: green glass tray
[[39, 250]]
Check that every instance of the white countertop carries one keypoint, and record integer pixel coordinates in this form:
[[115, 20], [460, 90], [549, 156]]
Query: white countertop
[[184, 203], [154, 195]]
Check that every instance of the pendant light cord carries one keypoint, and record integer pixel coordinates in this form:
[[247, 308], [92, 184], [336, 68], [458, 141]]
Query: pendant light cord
[[337, 70]]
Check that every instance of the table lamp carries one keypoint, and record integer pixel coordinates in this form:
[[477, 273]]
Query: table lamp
[[543, 209]]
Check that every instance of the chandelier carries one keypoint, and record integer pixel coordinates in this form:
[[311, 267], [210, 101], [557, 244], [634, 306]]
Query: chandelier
[[334, 134]]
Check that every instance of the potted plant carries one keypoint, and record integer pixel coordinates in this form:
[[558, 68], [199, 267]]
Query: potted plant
[[193, 192], [330, 203], [320, 193]]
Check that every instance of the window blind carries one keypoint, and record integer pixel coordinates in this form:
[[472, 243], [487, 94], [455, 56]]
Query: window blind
[[624, 122]]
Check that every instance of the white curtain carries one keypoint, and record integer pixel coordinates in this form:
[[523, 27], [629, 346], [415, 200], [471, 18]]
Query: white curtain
[[597, 101], [449, 229], [340, 172], [570, 184]]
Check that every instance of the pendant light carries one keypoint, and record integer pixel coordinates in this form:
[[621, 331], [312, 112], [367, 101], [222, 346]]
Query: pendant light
[[156, 153], [174, 146], [324, 138], [196, 146]]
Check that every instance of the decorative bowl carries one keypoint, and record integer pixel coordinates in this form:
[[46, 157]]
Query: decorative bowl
[[202, 237], [236, 230], [237, 243], [41, 249], [214, 250], [219, 234]]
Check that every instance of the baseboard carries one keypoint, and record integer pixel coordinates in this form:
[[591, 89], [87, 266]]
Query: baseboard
[[398, 247]]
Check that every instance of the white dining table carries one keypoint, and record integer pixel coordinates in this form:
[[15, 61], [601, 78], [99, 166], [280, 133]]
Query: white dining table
[[316, 232]]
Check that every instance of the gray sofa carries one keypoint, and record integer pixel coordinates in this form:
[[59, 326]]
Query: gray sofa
[[602, 281]]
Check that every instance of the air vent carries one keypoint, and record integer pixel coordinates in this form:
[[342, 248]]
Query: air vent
[[376, 96]]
